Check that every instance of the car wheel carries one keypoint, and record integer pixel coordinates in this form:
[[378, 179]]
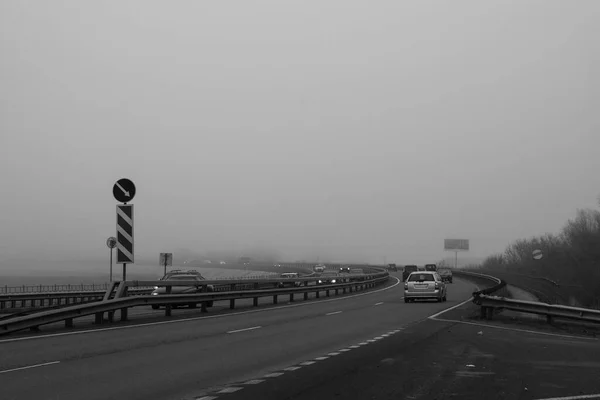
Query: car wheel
[[406, 300], [440, 299], [155, 306]]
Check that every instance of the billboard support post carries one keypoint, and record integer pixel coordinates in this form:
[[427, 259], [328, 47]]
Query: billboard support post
[[456, 245]]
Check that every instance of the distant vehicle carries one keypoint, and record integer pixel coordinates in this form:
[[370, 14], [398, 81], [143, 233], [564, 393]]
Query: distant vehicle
[[222, 262], [328, 278], [407, 271], [345, 270], [244, 260], [424, 285], [392, 267], [319, 268], [430, 267], [207, 262], [179, 275], [446, 274], [290, 275], [277, 265]]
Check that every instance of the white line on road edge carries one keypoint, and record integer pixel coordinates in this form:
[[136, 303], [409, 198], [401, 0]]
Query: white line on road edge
[[114, 328], [378, 304], [29, 366], [245, 329], [583, 396], [516, 329], [333, 313], [449, 309]]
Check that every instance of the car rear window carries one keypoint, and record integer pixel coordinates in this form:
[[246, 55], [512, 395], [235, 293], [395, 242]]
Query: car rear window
[[421, 278]]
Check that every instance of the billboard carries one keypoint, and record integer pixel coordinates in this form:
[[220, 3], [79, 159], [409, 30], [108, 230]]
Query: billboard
[[456, 244]]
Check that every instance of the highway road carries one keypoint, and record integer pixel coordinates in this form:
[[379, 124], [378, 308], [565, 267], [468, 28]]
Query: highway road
[[195, 358]]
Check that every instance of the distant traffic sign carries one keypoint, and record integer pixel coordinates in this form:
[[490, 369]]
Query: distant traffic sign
[[537, 254], [166, 259], [124, 190], [111, 242], [125, 233]]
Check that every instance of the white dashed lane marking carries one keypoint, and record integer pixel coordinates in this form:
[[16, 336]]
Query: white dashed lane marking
[[29, 367], [254, 382], [245, 329], [333, 313], [292, 368], [378, 304], [229, 390], [274, 375]]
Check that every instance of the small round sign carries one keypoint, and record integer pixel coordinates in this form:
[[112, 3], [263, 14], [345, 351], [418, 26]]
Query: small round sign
[[537, 254], [111, 242], [124, 190]]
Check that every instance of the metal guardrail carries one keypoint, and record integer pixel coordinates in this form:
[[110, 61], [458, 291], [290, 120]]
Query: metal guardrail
[[491, 304], [123, 303]]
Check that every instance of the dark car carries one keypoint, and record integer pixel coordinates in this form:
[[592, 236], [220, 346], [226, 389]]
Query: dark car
[[408, 269], [328, 278], [446, 274], [345, 270], [178, 275], [431, 267], [392, 267]]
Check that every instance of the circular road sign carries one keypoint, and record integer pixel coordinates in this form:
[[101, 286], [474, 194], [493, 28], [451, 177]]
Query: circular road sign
[[124, 190], [111, 242], [537, 254]]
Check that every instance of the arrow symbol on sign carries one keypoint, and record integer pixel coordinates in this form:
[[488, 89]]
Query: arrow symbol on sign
[[123, 190]]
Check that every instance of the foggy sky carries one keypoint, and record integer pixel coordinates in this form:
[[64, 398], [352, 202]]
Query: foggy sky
[[340, 129]]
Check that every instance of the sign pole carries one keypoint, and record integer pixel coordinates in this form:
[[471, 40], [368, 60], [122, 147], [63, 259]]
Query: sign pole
[[455, 259], [111, 265], [124, 271], [165, 265]]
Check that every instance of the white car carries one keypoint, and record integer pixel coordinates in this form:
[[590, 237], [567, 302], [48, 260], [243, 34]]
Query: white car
[[424, 285], [222, 262]]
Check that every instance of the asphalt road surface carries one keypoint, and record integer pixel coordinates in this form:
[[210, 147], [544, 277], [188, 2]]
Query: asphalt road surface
[[195, 358]]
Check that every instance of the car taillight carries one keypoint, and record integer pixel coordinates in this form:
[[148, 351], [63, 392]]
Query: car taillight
[[437, 285], [406, 286]]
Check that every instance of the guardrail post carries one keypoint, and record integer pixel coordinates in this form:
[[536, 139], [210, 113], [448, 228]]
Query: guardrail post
[[111, 316], [305, 293], [69, 323], [317, 294], [549, 318], [291, 297], [344, 290], [203, 307], [275, 299], [350, 289], [98, 318], [232, 303], [336, 292], [327, 293]]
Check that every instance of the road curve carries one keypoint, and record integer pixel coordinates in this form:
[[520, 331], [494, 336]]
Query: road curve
[[193, 357]]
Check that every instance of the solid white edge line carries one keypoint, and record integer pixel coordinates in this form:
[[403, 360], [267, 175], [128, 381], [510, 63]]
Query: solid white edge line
[[309, 303], [515, 329], [578, 397], [245, 329], [29, 367]]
